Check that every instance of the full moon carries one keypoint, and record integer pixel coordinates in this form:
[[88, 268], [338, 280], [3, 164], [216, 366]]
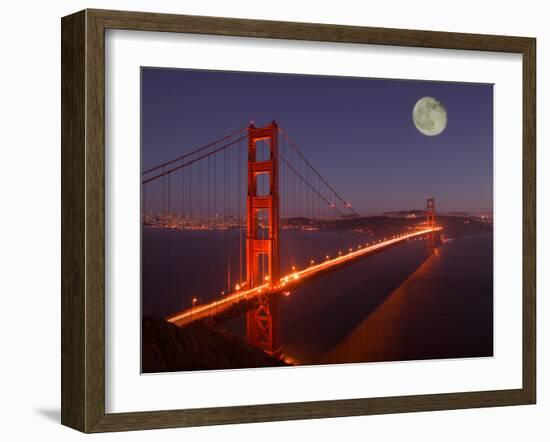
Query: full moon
[[429, 116]]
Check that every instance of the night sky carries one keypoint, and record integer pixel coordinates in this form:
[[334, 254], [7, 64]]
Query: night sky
[[358, 132]]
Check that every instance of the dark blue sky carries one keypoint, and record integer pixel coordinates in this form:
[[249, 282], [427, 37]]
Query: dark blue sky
[[358, 132]]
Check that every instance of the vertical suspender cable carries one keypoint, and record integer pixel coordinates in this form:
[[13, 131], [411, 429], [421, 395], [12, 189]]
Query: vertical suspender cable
[[168, 177], [163, 194]]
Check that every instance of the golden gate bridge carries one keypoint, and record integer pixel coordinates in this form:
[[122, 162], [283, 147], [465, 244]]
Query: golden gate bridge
[[258, 181]]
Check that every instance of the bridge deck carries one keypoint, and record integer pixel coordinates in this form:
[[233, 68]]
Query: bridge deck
[[292, 280]]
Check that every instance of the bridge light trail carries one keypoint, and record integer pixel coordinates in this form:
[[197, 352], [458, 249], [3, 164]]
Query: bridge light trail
[[218, 306]]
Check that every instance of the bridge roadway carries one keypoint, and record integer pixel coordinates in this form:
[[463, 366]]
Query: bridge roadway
[[293, 279]]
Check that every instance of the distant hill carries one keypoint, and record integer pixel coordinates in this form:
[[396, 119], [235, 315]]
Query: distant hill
[[382, 225], [405, 214]]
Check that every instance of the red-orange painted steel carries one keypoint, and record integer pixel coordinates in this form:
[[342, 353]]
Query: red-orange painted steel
[[430, 221], [262, 328]]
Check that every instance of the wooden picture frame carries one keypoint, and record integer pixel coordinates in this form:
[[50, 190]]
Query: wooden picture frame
[[83, 220]]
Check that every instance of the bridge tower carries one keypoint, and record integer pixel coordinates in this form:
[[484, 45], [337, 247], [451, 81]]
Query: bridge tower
[[430, 221], [262, 322]]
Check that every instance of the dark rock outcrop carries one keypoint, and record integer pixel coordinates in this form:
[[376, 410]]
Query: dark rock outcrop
[[167, 347]]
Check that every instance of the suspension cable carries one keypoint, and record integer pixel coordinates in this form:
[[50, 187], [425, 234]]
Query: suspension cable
[[188, 154], [346, 204], [309, 185], [194, 160]]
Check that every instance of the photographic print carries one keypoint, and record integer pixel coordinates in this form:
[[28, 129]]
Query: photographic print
[[293, 220]]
